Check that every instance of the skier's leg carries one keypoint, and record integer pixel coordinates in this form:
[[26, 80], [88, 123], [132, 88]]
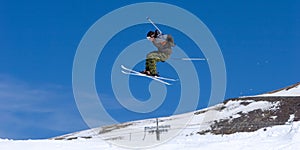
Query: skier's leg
[[151, 65], [163, 57], [152, 59]]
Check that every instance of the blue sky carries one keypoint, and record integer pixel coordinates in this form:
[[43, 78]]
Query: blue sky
[[259, 42]]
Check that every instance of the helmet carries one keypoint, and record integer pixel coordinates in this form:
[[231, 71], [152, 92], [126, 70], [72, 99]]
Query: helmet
[[150, 34]]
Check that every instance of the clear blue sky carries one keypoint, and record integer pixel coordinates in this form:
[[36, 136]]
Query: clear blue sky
[[259, 40]]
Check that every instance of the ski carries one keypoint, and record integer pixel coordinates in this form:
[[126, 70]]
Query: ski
[[133, 71], [136, 73], [143, 75]]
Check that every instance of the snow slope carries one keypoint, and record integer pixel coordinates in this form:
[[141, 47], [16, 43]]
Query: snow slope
[[285, 137], [293, 90], [141, 134], [134, 135]]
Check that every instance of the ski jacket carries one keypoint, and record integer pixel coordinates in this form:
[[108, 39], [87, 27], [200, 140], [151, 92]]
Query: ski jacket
[[164, 43]]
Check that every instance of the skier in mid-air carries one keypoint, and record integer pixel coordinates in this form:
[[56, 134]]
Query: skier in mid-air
[[164, 44]]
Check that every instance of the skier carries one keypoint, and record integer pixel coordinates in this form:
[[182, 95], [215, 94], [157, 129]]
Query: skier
[[164, 44]]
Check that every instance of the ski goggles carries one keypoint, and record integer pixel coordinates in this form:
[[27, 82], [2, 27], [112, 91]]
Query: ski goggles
[[149, 37]]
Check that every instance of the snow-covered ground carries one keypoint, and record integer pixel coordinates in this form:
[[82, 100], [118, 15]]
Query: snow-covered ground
[[178, 128], [285, 137], [180, 131], [289, 91]]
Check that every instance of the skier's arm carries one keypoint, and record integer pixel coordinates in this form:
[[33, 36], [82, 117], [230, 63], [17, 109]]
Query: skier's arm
[[162, 40], [167, 39]]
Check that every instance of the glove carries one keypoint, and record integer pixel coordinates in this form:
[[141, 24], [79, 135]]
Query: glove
[[156, 33]]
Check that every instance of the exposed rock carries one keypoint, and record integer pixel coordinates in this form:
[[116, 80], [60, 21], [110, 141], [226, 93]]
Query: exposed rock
[[258, 119]]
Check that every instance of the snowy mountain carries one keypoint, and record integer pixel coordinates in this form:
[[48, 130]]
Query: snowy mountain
[[270, 120], [293, 90]]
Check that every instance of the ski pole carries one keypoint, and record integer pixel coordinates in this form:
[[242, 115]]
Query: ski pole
[[190, 59], [154, 25]]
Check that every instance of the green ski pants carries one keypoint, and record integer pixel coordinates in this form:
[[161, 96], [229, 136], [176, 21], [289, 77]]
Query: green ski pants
[[153, 58]]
